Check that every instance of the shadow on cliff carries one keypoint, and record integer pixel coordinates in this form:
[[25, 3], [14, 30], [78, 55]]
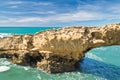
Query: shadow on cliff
[[101, 69]]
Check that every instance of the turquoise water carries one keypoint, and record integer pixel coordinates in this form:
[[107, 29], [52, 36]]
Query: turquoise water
[[101, 63], [24, 30]]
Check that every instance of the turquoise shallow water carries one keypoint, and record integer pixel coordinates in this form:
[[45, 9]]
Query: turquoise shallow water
[[24, 30], [99, 64]]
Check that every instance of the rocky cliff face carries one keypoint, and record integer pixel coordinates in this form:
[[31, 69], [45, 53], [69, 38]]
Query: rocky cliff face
[[57, 50]]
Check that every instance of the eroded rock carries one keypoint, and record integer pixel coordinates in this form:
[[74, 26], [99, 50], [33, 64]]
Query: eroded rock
[[58, 50]]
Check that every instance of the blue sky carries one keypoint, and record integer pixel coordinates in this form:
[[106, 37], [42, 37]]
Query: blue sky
[[59, 12]]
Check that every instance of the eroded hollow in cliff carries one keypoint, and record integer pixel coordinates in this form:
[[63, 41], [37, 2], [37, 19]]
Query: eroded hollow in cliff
[[56, 64], [26, 58], [32, 59]]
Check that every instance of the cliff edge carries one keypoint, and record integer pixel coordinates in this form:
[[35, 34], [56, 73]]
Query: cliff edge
[[57, 50]]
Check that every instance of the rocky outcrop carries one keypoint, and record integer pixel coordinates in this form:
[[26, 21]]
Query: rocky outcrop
[[58, 50]]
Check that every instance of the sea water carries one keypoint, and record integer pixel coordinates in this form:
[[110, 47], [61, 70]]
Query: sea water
[[101, 63]]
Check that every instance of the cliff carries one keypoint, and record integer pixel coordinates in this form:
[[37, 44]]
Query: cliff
[[57, 50]]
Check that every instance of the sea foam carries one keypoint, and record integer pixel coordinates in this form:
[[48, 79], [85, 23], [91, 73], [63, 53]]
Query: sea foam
[[5, 34], [4, 68], [4, 62], [93, 56]]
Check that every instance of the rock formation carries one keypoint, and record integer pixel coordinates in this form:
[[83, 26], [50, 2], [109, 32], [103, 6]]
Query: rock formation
[[58, 50]]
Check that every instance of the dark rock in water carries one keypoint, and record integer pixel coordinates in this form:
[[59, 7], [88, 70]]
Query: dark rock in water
[[60, 50], [55, 64]]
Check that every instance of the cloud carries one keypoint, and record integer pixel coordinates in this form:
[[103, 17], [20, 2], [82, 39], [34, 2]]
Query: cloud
[[47, 12], [115, 8], [28, 20], [26, 5], [29, 2], [66, 17], [58, 18], [28, 12], [13, 6], [14, 2], [76, 16], [42, 3], [42, 13]]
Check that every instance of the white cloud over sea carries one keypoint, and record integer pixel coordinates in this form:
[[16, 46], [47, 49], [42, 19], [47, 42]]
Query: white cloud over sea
[[53, 13]]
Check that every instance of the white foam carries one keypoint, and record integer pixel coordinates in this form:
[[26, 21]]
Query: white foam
[[4, 61], [39, 77], [101, 48], [4, 68], [93, 56], [5, 35], [26, 68]]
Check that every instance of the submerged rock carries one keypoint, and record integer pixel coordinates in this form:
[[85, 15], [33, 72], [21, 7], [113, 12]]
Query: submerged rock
[[57, 50]]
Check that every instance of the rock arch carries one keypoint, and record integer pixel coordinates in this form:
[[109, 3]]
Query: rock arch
[[58, 50]]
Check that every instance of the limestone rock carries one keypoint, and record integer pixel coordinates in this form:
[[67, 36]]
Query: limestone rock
[[58, 50]]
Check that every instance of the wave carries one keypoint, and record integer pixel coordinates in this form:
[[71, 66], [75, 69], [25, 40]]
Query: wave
[[93, 56], [4, 68], [4, 61], [26, 68], [2, 35], [101, 48]]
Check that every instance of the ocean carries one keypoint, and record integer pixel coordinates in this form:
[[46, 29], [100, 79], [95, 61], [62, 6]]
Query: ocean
[[101, 63]]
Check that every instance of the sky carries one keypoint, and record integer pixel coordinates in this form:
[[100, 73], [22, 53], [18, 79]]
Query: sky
[[58, 13]]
